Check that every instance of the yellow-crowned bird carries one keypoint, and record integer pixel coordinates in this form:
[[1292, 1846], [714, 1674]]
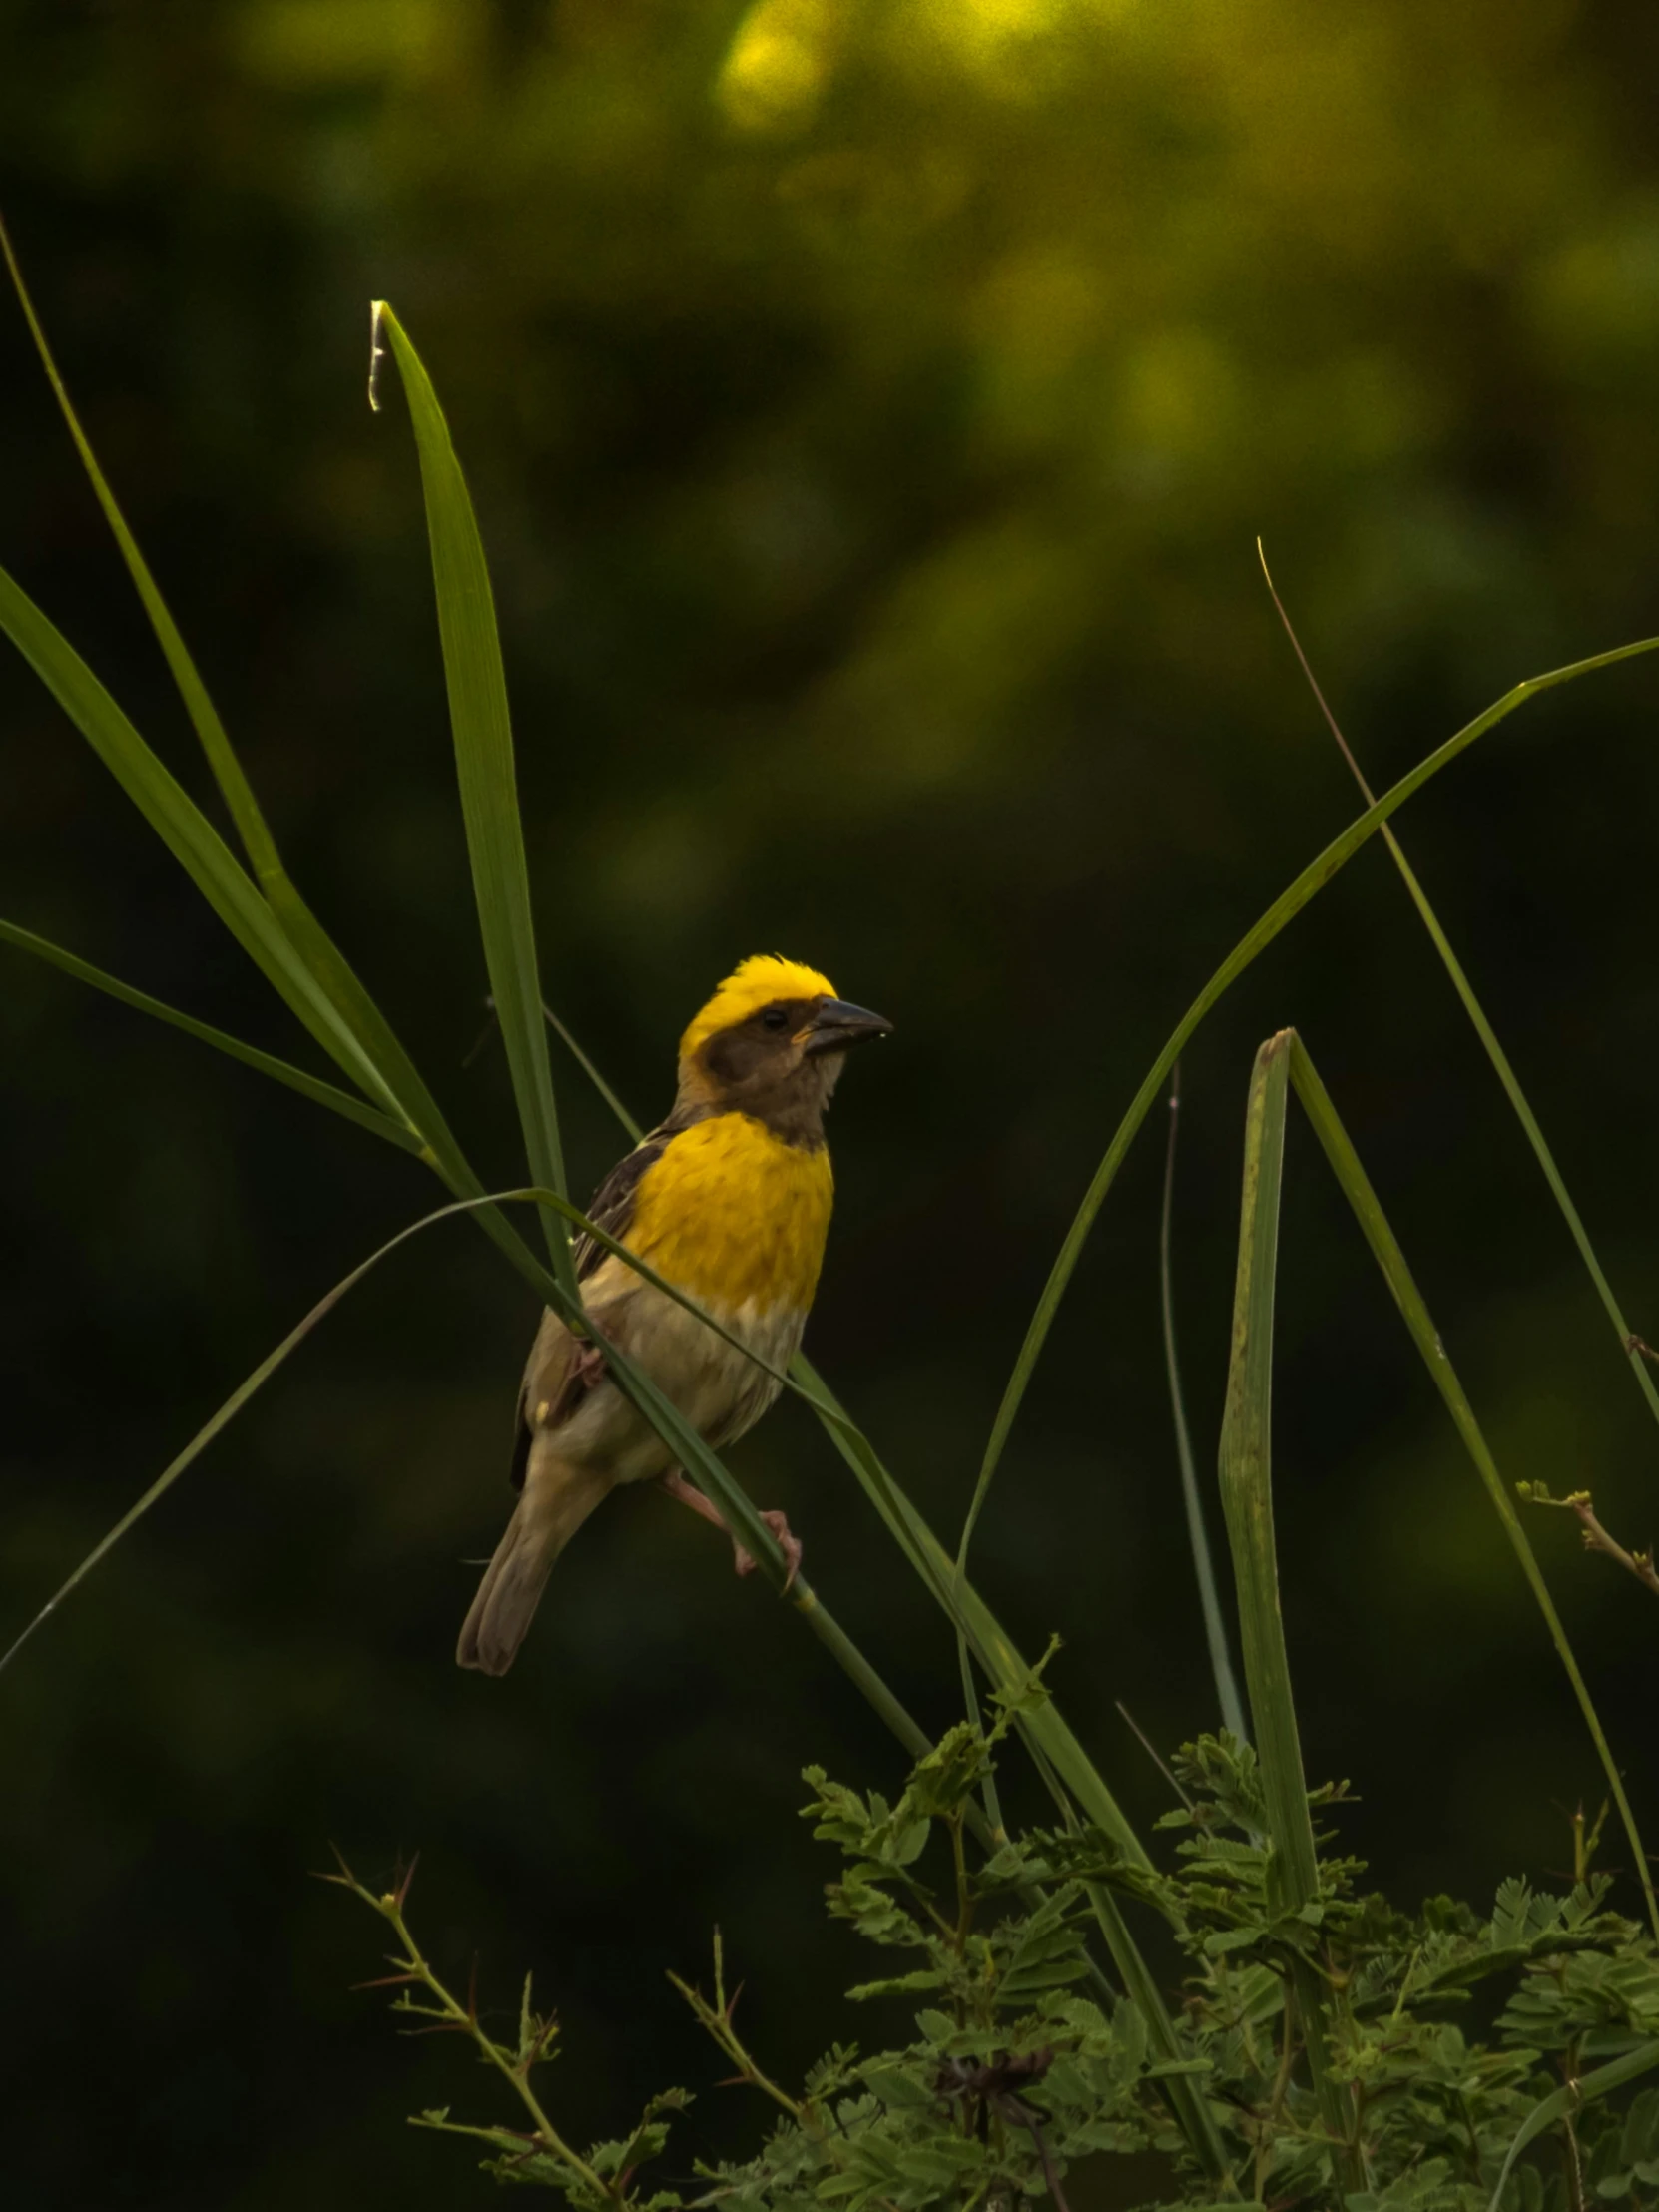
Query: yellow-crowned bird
[[728, 1199]]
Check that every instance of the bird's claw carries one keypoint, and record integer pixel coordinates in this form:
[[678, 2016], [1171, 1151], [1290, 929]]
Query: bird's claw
[[788, 1542]]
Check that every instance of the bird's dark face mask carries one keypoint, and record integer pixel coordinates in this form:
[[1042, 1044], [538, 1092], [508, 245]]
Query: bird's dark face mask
[[782, 1063]]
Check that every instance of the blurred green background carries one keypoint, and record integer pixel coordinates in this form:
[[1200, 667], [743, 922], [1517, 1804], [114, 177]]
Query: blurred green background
[[870, 409]]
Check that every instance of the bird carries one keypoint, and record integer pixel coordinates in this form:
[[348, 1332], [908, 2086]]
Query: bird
[[730, 1200]]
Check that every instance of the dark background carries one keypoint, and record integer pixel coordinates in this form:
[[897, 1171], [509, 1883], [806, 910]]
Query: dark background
[[871, 411]]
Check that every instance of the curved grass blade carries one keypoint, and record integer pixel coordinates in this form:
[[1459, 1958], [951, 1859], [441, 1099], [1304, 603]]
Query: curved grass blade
[[478, 714], [1285, 907], [226, 1413], [186, 831], [1357, 1189], [1198, 1535], [267, 1063], [592, 1073], [663, 1417], [1562, 2103], [1247, 1496], [328, 968], [1482, 1027], [227, 769]]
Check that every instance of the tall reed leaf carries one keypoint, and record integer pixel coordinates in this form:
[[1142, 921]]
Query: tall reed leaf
[[1285, 907], [1482, 1029], [1357, 1189], [227, 769], [267, 1063], [186, 831], [1247, 1496], [483, 737], [330, 971]]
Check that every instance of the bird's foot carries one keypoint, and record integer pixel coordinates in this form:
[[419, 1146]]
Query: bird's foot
[[789, 1543]]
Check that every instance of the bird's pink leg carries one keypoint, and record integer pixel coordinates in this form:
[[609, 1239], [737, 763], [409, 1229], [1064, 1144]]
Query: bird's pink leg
[[789, 1543]]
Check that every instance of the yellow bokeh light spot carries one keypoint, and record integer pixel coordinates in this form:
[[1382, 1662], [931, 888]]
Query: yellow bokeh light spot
[[779, 64]]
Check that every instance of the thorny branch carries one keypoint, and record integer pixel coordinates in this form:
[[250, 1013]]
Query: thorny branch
[[1596, 1538], [411, 1972], [717, 2020]]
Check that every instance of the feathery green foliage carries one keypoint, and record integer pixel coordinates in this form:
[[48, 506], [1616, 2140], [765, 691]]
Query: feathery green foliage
[[1451, 2032]]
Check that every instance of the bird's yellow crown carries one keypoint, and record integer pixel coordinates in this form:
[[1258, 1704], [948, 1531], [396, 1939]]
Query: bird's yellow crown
[[750, 986]]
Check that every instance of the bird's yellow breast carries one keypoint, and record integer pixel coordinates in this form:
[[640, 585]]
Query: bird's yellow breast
[[735, 1215]]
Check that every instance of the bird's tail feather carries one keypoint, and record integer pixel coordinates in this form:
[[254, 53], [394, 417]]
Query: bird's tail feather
[[558, 1497]]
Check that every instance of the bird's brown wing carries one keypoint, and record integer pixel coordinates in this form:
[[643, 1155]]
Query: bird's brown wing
[[612, 1205], [550, 1374]]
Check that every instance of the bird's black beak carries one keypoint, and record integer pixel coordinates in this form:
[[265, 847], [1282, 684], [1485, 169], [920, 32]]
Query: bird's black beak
[[837, 1026]]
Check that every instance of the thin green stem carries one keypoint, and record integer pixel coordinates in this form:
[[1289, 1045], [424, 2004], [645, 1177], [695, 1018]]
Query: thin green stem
[[1198, 1535], [1483, 1028], [309, 1086], [592, 1073], [1285, 907]]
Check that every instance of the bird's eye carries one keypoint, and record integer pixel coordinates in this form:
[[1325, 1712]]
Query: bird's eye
[[775, 1017]]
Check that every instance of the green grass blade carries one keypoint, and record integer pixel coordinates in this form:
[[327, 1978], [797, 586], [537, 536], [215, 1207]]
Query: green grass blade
[[1483, 1028], [697, 1459], [1568, 2101], [1285, 907], [1246, 1466], [634, 1128], [328, 968], [334, 975], [1185, 2097], [358, 1035], [1055, 1749], [227, 770], [1357, 1189], [281, 1071], [482, 730], [1198, 1535], [1247, 1496], [222, 1420], [999, 1657], [186, 834]]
